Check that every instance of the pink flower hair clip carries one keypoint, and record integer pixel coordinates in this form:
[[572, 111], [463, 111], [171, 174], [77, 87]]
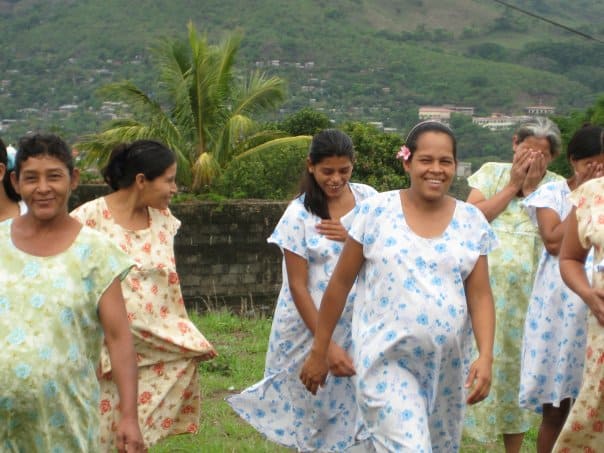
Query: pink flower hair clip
[[403, 153]]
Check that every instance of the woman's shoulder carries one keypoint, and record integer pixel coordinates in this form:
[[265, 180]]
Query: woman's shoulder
[[466, 209], [362, 190], [164, 220], [90, 207], [489, 175], [550, 176]]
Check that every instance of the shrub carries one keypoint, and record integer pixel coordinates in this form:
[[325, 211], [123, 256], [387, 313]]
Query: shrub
[[272, 175]]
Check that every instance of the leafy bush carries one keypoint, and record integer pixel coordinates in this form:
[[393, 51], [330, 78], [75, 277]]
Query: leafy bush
[[273, 174], [376, 163]]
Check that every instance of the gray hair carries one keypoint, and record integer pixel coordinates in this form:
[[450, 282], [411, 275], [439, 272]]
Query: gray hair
[[541, 127]]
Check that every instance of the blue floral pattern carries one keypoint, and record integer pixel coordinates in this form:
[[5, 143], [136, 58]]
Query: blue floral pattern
[[555, 331], [411, 327], [279, 406]]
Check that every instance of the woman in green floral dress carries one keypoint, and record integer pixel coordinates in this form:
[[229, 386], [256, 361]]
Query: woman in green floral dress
[[498, 190], [59, 293]]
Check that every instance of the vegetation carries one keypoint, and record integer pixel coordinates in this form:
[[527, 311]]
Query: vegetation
[[208, 121], [241, 344], [361, 60]]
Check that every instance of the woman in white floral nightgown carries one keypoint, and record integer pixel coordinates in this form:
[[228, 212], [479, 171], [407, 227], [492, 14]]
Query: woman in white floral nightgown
[[421, 260], [310, 234], [553, 347]]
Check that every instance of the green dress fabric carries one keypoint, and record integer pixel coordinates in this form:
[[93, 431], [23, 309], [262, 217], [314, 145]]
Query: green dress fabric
[[512, 268], [50, 341]]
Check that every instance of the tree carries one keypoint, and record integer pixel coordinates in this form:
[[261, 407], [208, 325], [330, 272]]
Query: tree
[[203, 110]]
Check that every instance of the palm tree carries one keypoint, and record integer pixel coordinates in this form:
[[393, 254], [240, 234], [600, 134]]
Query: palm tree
[[206, 113]]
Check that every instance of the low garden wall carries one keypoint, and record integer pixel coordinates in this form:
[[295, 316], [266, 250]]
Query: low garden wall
[[221, 251]]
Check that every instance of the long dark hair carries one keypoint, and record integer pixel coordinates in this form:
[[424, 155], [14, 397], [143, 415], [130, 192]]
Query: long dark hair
[[327, 143]]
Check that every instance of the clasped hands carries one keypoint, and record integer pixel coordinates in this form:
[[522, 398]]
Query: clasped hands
[[317, 365]]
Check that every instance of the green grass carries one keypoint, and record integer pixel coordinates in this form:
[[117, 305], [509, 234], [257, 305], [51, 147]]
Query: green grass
[[241, 343]]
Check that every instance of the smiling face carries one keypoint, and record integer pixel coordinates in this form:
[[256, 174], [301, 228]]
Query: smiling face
[[158, 192], [332, 175], [431, 167], [45, 184]]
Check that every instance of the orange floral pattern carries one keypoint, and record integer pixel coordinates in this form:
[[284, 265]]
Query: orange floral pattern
[[168, 345], [584, 429]]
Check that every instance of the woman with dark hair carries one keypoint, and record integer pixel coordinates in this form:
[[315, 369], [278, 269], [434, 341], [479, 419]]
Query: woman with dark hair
[[60, 295], [168, 345], [423, 286], [498, 190], [584, 427], [10, 201], [310, 234], [555, 331]]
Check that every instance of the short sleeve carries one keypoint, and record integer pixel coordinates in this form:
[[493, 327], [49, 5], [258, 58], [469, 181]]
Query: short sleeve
[[546, 196], [88, 214], [290, 232], [104, 262], [587, 198], [358, 227], [169, 221], [485, 179], [487, 239], [361, 193]]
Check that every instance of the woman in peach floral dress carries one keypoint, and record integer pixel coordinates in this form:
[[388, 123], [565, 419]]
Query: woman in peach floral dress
[[584, 428], [168, 345]]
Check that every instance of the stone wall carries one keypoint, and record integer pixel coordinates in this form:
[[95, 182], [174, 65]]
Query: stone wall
[[221, 251]]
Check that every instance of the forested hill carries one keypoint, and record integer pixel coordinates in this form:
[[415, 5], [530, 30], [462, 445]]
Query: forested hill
[[374, 60]]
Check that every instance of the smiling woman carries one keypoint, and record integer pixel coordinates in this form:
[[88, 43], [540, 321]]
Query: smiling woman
[[310, 234], [168, 346], [420, 258], [59, 291]]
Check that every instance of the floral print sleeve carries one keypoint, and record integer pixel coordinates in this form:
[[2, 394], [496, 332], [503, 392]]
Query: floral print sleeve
[[548, 196], [289, 234], [588, 199], [486, 178]]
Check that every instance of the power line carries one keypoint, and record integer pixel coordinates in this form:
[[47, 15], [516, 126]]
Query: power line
[[549, 21]]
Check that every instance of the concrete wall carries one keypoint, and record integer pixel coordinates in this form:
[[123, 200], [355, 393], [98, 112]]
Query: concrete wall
[[221, 251]]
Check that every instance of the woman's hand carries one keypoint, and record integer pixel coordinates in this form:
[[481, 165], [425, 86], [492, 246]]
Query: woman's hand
[[479, 379], [128, 437], [339, 362], [535, 173], [593, 170], [520, 166], [314, 371], [332, 229], [595, 301]]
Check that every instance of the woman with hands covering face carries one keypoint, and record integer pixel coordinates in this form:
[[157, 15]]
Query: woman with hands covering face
[[584, 426], [498, 189]]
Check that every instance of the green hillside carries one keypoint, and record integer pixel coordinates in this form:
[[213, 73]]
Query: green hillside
[[374, 60]]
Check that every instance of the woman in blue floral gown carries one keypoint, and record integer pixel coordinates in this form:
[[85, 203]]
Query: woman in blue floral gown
[[423, 285], [310, 234]]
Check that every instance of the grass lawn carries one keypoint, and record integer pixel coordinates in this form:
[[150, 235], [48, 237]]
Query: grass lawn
[[241, 343]]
